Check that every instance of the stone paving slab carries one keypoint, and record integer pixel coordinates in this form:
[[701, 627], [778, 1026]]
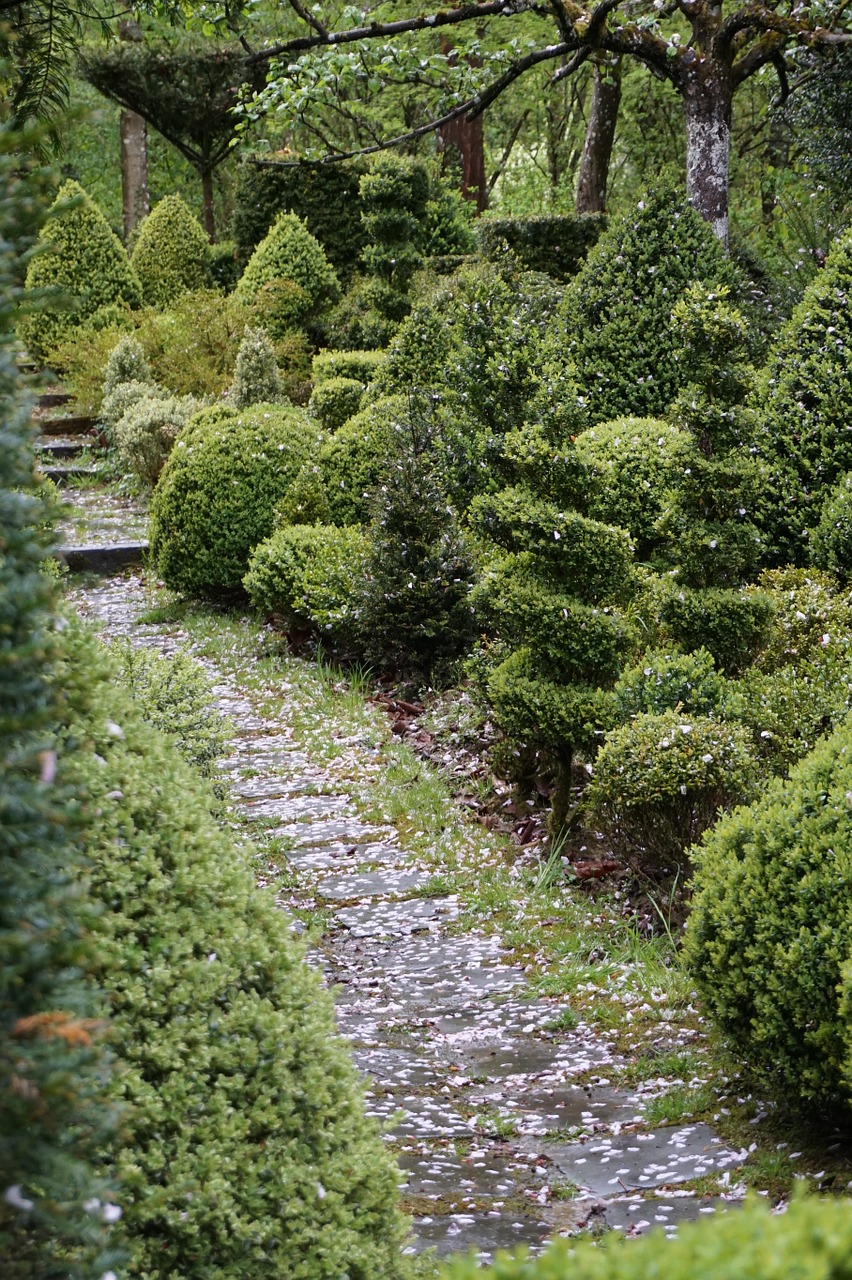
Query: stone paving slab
[[443, 1174], [296, 808], [371, 884], [542, 1108], [395, 919], [636, 1216], [346, 830], [608, 1165], [334, 857], [483, 1233]]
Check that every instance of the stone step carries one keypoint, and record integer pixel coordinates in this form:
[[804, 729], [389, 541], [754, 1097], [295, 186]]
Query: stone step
[[62, 448], [53, 399], [71, 425], [61, 475], [103, 560]]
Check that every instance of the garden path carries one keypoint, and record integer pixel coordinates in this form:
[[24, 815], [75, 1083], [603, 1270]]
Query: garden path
[[506, 1130]]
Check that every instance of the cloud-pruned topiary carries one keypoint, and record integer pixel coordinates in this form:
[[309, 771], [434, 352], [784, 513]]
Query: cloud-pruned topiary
[[769, 941], [217, 496], [85, 262], [171, 255], [288, 278], [247, 1151], [615, 322]]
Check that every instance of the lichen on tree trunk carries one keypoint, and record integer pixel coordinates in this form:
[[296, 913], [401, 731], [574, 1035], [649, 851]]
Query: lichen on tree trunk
[[707, 105]]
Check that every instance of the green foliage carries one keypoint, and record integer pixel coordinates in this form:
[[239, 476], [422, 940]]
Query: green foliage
[[533, 710], [171, 255], [175, 695], [708, 522], [831, 540], [257, 379], [360, 365], [357, 458], [306, 500], [311, 576], [660, 780], [192, 348], [660, 682], [802, 403], [788, 710], [335, 401], [288, 276], [415, 609], [218, 492], [811, 1239], [223, 265], [591, 560], [83, 262], [394, 193], [126, 363], [82, 359], [555, 245], [631, 464], [53, 1068], [147, 430], [627, 287], [771, 929], [448, 229], [219, 1022], [325, 197], [812, 620], [732, 625], [125, 397]]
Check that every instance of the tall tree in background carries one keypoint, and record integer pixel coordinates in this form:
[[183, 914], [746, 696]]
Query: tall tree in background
[[600, 135], [136, 200], [706, 51]]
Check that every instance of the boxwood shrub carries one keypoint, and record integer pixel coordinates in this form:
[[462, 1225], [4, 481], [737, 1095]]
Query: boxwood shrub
[[288, 276], [311, 576], [257, 378], [812, 1239], [661, 681], [85, 261], [831, 540], [660, 780], [336, 401], [732, 625], [361, 365], [246, 1149], [357, 459], [171, 255], [219, 489], [627, 287], [631, 463], [769, 941]]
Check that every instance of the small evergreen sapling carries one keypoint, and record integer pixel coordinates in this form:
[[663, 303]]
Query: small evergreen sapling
[[257, 379]]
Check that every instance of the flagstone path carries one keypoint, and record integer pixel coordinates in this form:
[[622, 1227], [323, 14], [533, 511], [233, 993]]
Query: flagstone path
[[505, 1130]]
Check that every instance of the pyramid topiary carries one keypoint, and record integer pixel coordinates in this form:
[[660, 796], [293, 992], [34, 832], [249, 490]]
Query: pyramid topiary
[[615, 322], [802, 402], [171, 256], [257, 379], [288, 278], [85, 262]]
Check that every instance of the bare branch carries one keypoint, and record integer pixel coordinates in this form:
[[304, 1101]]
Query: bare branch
[[783, 83], [581, 56], [312, 21]]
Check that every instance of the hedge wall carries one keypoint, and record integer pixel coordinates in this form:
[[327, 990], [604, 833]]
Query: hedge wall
[[556, 245]]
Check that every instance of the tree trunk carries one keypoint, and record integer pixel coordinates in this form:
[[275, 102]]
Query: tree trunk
[[560, 800], [134, 170], [600, 136], [707, 97], [133, 132], [464, 137], [207, 194]]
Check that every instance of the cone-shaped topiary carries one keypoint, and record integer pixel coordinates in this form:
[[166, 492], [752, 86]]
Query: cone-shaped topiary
[[85, 262], [615, 322], [257, 379], [171, 256], [802, 402], [217, 496], [769, 940], [288, 278], [247, 1151]]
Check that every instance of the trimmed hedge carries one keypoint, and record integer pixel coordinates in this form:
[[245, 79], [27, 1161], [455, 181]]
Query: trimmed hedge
[[360, 365], [731, 625], [171, 255], [811, 1241], [661, 682], [555, 245], [247, 1151], [769, 941], [358, 457], [85, 262], [831, 540], [312, 576], [335, 401], [219, 489], [660, 781]]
